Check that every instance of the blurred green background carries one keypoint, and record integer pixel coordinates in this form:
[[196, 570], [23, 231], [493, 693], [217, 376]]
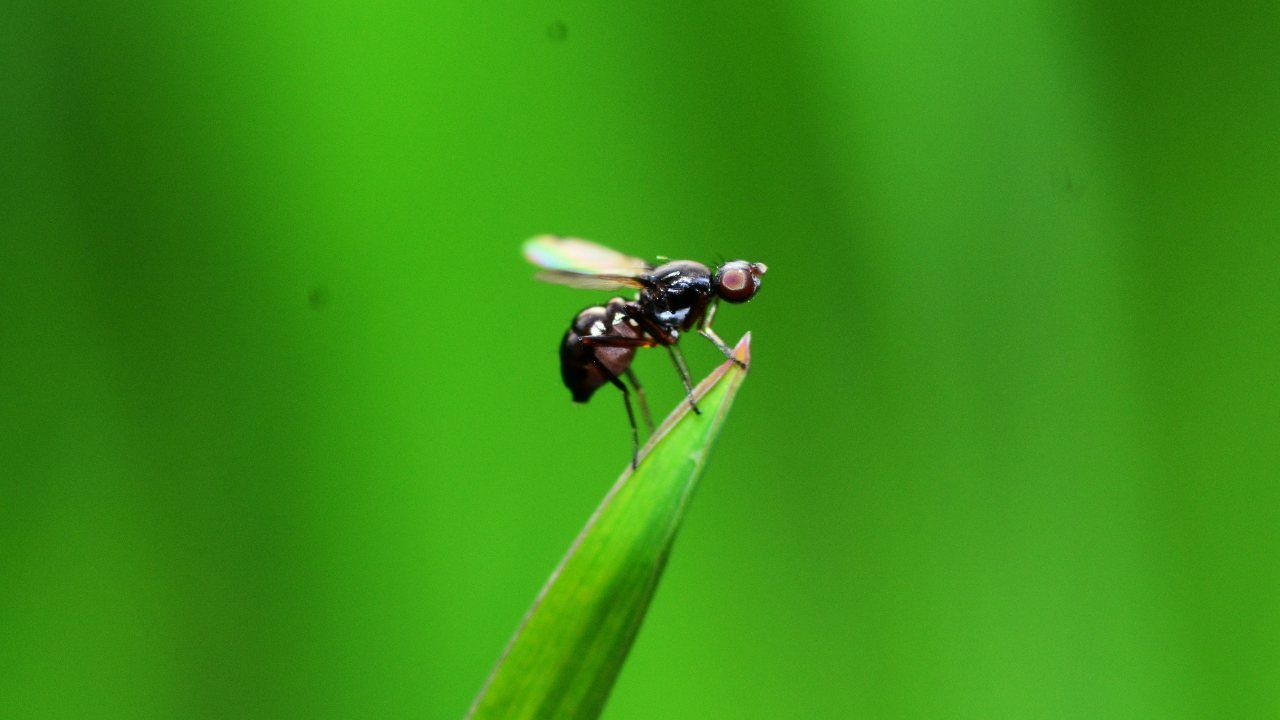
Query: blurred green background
[[282, 428]]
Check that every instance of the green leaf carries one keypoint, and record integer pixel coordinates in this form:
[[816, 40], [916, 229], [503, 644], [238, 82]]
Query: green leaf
[[571, 644]]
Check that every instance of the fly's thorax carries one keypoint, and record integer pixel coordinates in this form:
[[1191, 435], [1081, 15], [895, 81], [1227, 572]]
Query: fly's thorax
[[678, 293]]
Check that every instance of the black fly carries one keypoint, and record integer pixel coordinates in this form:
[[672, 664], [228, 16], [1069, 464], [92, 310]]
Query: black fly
[[675, 297]]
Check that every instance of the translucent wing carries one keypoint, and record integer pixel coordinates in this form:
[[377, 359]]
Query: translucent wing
[[590, 282], [582, 263]]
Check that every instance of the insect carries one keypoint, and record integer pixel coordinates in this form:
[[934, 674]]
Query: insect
[[675, 297]]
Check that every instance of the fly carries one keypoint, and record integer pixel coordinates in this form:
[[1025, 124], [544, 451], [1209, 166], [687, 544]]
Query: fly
[[675, 297]]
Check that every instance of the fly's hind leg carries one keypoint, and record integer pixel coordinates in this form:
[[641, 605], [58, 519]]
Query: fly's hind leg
[[644, 404], [626, 399], [594, 341]]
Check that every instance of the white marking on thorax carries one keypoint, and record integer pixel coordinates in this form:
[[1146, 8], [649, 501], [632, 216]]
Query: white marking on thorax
[[677, 315]]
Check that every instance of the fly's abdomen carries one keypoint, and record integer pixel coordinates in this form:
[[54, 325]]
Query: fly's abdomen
[[576, 369], [583, 367]]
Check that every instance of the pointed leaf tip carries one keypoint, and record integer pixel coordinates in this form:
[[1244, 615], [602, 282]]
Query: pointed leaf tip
[[742, 351], [567, 651]]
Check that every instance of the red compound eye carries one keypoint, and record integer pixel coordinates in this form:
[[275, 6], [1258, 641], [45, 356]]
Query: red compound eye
[[735, 282]]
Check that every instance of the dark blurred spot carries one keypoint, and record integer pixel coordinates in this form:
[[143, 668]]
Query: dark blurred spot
[[1064, 183], [318, 298], [558, 31]]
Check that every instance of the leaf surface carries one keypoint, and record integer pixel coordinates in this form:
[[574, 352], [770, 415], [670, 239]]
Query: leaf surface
[[568, 650]]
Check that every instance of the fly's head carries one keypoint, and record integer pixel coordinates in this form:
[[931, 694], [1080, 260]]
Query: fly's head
[[737, 281]]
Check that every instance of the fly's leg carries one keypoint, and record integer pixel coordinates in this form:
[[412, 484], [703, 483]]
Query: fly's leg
[[644, 404], [683, 369], [626, 400], [615, 341], [594, 341], [667, 340], [711, 335], [627, 342]]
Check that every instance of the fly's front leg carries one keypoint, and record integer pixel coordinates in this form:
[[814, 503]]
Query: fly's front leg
[[711, 335]]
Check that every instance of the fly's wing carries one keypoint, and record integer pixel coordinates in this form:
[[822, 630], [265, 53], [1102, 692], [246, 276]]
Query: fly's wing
[[584, 264], [551, 252]]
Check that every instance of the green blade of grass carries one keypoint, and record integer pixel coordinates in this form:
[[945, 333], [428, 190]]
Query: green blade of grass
[[571, 644]]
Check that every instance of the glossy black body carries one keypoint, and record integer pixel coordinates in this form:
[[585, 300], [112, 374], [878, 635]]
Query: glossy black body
[[674, 299], [676, 294]]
